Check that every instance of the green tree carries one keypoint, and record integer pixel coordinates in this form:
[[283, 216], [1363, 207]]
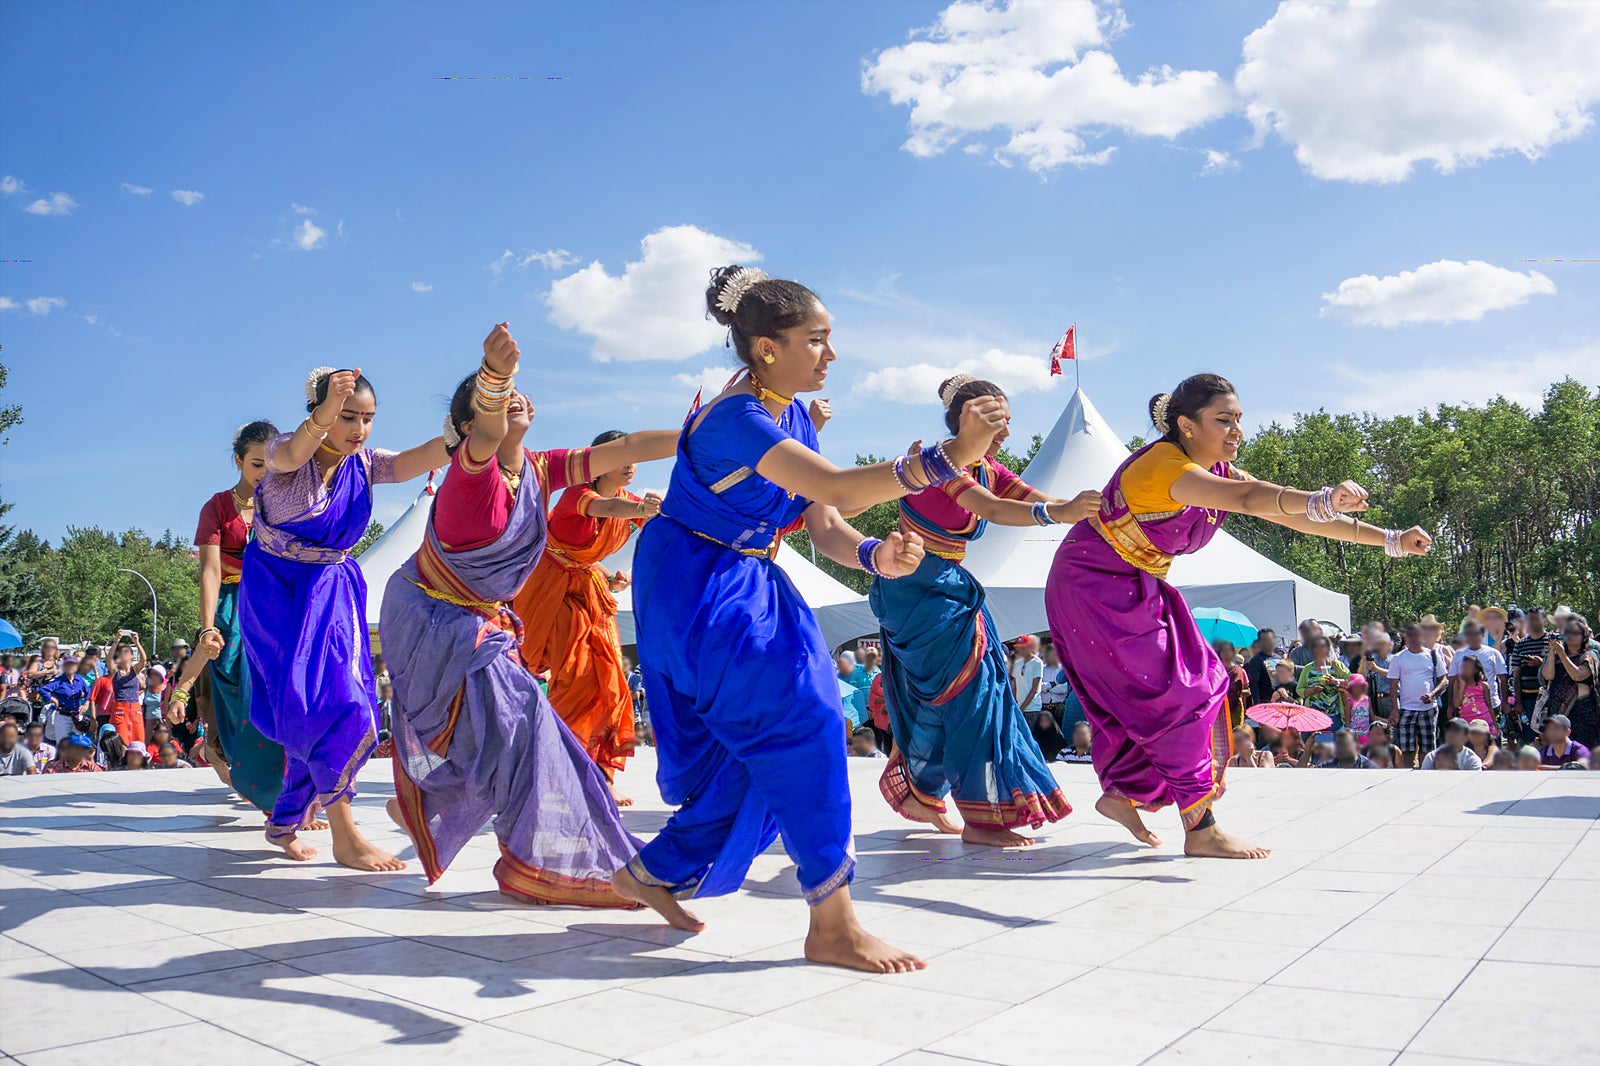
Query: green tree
[[22, 599], [368, 539], [10, 414]]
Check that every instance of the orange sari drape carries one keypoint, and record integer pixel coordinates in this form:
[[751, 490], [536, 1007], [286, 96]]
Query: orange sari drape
[[569, 622]]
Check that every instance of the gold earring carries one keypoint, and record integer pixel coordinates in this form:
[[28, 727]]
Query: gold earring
[[769, 358]]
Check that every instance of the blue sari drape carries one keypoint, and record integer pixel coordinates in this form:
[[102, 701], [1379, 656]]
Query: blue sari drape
[[743, 696], [956, 724], [303, 611]]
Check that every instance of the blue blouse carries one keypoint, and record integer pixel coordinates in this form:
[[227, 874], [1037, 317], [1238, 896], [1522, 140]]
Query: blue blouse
[[715, 489]]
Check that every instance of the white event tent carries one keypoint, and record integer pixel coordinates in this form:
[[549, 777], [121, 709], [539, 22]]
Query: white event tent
[[842, 614], [1081, 453]]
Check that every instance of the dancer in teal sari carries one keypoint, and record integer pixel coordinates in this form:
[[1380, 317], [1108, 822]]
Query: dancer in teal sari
[[956, 723], [241, 755]]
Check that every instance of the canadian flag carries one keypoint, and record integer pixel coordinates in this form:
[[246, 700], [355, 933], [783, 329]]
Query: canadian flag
[[1066, 348]]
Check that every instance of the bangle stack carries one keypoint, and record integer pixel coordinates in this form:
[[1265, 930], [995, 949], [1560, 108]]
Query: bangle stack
[[864, 552], [317, 430], [1041, 514], [903, 475], [1391, 544], [178, 695], [494, 391], [1319, 506]]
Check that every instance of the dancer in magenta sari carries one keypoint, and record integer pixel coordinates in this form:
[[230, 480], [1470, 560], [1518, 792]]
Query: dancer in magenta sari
[[303, 610], [475, 738], [1154, 691]]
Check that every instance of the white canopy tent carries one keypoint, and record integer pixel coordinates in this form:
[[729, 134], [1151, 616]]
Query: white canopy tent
[[842, 614], [1082, 452]]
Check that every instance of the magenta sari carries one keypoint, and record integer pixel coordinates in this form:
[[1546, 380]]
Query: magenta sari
[[1154, 691]]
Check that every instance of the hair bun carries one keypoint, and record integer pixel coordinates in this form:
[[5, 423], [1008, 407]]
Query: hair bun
[[727, 288], [948, 390]]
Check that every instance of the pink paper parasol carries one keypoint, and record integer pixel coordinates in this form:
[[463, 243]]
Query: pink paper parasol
[[1284, 715]]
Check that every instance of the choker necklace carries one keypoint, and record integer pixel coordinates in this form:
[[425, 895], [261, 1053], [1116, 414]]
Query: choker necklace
[[763, 393], [324, 446], [241, 503]]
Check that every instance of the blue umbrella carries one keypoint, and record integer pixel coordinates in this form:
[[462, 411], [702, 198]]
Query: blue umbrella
[[9, 637], [1216, 623]]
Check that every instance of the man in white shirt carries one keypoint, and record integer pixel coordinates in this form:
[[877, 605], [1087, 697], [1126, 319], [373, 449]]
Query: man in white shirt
[[1493, 663], [1029, 678], [1418, 675]]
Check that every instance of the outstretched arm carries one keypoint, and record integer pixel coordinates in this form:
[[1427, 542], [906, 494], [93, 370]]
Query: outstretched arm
[[899, 554], [620, 507], [414, 462], [637, 447], [986, 505], [1286, 506]]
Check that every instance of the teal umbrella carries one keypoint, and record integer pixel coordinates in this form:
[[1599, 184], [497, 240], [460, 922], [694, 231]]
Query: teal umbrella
[[1217, 623], [9, 637]]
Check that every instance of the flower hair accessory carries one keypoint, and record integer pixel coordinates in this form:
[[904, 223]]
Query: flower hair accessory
[[452, 435], [948, 393], [734, 289], [1158, 412], [314, 377]]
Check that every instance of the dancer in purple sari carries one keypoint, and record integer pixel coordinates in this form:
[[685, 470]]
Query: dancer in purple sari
[[475, 738], [1154, 691], [303, 610]]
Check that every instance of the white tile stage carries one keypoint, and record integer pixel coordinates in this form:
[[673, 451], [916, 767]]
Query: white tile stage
[[1408, 918]]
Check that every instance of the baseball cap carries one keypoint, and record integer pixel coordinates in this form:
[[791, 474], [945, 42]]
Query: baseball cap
[[159, 671], [69, 659], [107, 729], [1478, 726], [78, 740], [1027, 640], [1561, 720]]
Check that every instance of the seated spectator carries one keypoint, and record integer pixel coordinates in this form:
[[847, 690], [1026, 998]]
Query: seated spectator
[[43, 751], [1347, 754], [1078, 750], [1052, 742], [1504, 760], [1291, 749], [1559, 747], [1528, 758], [1481, 741], [1382, 757], [15, 758], [169, 758], [864, 744], [135, 758], [77, 756], [1461, 757], [1244, 750], [112, 747], [162, 735], [1381, 749]]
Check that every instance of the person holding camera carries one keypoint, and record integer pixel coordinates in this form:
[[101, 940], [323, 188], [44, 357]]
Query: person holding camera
[[1569, 672]]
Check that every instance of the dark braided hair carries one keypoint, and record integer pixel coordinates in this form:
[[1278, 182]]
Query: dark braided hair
[[767, 309], [1193, 394]]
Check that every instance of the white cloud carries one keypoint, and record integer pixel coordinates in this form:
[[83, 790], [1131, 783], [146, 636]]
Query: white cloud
[[919, 383], [302, 209], [10, 186], [709, 381], [308, 235], [187, 197], [136, 190], [655, 309], [58, 203], [92, 319], [1411, 386], [421, 286], [1445, 291], [499, 265], [1039, 71], [8, 304], [43, 305], [1218, 162], [1365, 91], [555, 259]]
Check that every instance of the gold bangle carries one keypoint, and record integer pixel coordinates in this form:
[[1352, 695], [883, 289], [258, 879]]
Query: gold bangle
[[179, 695], [1278, 503], [318, 428]]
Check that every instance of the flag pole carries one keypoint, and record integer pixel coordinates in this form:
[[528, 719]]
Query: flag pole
[[1077, 374]]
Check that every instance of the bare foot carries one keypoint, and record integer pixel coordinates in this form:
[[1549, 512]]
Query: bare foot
[[398, 819], [316, 824], [361, 854], [658, 899], [853, 948], [1126, 815], [619, 799], [1213, 843], [918, 811], [296, 849], [995, 838]]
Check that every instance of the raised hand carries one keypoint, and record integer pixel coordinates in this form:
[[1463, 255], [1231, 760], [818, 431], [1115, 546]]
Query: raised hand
[[981, 419], [1079, 507], [1349, 497], [650, 505], [500, 351], [341, 386], [821, 410], [1416, 541], [899, 555]]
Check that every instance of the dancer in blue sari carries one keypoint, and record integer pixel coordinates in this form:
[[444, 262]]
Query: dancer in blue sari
[[742, 692], [303, 610], [956, 724]]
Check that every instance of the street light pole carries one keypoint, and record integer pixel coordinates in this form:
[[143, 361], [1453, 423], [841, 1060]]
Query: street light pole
[[155, 608]]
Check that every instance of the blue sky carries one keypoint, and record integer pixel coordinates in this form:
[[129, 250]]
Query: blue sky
[[337, 176]]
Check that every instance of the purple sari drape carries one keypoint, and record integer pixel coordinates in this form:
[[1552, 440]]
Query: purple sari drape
[[476, 739], [1154, 692], [303, 614]]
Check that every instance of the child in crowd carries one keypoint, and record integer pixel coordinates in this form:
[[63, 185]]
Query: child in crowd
[[1357, 706], [1283, 682], [135, 758], [1245, 752], [169, 759], [1528, 758], [1475, 695]]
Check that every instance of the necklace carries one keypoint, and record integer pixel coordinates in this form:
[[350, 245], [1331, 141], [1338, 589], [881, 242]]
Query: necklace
[[513, 481], [324, 446], [242, 503], [764, 394]]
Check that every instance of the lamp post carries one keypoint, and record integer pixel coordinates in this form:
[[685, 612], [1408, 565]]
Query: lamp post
[[155, 608]]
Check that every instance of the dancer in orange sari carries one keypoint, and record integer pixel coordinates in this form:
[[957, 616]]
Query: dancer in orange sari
[[569, 611]]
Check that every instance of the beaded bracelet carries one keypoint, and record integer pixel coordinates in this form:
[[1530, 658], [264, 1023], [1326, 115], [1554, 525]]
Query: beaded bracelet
[[1041, 514], [1391, 544], [1319, 506], [864, 552]]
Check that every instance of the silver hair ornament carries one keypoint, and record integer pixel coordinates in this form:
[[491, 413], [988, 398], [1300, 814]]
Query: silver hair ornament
[[948, 392], [452, 435], [314, 377], [1158, 413], [734, 289]]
